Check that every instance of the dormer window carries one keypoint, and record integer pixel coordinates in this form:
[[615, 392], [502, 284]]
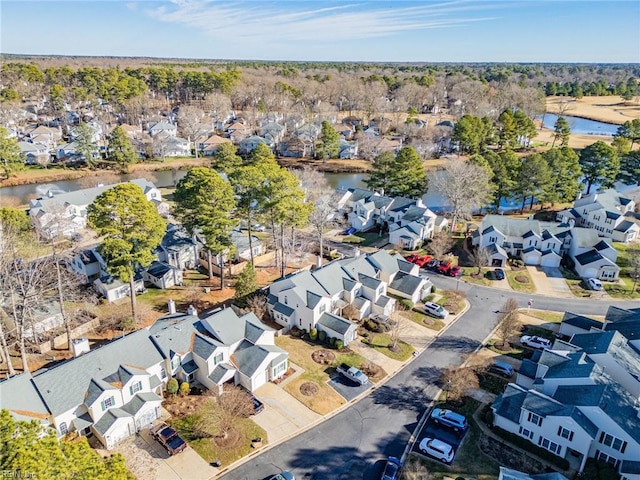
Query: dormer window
[[107, 403], [136, 387]]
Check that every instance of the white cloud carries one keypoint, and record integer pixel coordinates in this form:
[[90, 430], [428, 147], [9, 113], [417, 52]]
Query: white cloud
[[275, 22]]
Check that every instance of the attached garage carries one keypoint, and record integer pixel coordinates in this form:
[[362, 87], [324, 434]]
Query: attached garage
[[146, 417], [550, 259]]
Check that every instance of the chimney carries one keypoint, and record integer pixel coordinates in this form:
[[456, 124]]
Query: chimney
[[192, 311], [356, 252], [80, 346], [172, 307]]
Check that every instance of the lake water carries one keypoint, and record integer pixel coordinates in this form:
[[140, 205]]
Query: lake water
[[21, 194], [581, 125]]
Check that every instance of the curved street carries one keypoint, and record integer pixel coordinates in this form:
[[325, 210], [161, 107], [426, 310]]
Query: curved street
[[351, 444]]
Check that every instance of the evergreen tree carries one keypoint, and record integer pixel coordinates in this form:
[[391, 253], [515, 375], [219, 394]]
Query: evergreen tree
[[566, 173], [226, 158], [120, 149], [410, 178], [630, 168], [505, 167], [86, 147], [246, 282], [561, 132], [382, 174], [132, 228], [15, 219], [204, 202], [10, 159], [329, 142], [28, 448], [534, 178], [600, 164]]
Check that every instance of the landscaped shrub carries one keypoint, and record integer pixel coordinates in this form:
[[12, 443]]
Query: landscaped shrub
[[322, 335], [407, 303], [433, 289], [184, 389], [332, 341], [172, 386], [339, 344], [599, 470], [561, 463], [313, 334]]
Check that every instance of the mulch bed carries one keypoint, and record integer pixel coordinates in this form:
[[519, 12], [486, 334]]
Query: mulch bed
[[371, 370], [521, 279], [309, 389], [230, 440], [323, 357], [508, 456]]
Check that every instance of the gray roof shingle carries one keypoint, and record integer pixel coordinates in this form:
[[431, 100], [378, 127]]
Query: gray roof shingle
[[335, 323]]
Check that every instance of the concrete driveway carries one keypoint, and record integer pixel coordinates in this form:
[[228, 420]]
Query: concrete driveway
[[283, 414], [147, 460], [346, 388], [549, 281]]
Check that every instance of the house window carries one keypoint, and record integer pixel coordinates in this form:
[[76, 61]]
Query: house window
[[63, 428], [607, 458], [533, 418], [526, 433], [565, 433], [163, 373], [286, 301], [549, 445], [322, 308], [107, 402], [493, 239], [613, 442], [279, 370], [136, 387], [218, 358]]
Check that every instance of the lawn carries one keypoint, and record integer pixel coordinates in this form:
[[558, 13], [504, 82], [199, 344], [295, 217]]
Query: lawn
[[547, 316], [470, 461], [207, 448], [516, 351], [520, 281], [623, 289], [469, 275], [327, 399], [382, 341], [452, 301], [363, 238], [423, 320]]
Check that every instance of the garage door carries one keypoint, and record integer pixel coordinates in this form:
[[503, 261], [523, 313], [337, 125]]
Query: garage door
[[117, 436], [550, 261], [146, 418]]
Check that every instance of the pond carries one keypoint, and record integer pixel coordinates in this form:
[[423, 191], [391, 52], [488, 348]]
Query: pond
[[21, 194], [581, 125]]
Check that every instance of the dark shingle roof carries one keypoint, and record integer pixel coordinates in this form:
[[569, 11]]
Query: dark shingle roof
[[588, 257], [579, 321], [624, 226], [406, 283], [509, 404], [335, 323]]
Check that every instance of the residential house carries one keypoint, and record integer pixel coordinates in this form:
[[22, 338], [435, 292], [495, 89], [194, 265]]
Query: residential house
[[112, 288], [167, 145], [347, 150], [604, 211], [242, 249], [34, 153], [272, 132], [237, 131], [162, 275], [544, 244], [385, 144], [345, 130], [97, 132], [163, 127], [578, 399], [66, 213], [296, 148], [87, 264], [41, 133], [178, 248], [249, 144], [132, 131], [315, 299], [210, 145]]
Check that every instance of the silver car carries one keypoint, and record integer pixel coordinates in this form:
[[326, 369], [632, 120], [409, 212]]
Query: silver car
[[437, 449], [435, 310]]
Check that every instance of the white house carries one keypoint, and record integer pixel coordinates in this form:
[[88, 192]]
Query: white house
[[116, 390], [34, 153], [243, 251], [303, 299], [87, 264], [579, 399], [162, 275], [112, 288], [249, 144], [210, 145], [592, 255], [163, 127], [604, 211], [178, 248], [66, 213]]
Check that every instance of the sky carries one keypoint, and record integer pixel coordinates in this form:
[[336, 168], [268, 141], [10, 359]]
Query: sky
[[361, 30]]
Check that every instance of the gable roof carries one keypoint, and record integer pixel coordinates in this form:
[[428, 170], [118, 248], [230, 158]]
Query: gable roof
[[406, 283], [335, 323], [20, 396]]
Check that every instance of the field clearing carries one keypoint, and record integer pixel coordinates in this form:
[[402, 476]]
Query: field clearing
[[609, 109]]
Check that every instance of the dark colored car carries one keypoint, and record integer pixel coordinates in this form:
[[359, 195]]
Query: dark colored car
[[502, 368], [350, 231], [449, 419], [454, 271], [498, 274], [258, 406], [433, 265], [391, 469]]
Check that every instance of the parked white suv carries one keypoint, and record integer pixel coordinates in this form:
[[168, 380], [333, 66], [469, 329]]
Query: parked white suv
[[437, 449], [535, 342], [435, 310], [594, 284]]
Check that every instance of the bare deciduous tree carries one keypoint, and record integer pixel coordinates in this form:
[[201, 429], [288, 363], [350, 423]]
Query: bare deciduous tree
[[218, 416], [458, 382], [509, 322], [414, 469], [465, 186], [350, 312], [193, 123], [479, 258], [397, 325], [258, 305], [441, 244]]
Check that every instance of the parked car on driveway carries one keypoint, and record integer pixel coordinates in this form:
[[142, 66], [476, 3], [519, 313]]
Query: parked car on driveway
[[283, 476], [533, 341], [454, 271], [450, 419], [391, 469], [498, 274], [168, 438], [444, 267], [437, 449], [502, 368], [433, 265], [594, 284], [423, 260], [435, 310], [350, 231]]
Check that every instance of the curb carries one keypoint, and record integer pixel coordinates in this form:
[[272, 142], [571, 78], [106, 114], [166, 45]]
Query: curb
[[350, 403]]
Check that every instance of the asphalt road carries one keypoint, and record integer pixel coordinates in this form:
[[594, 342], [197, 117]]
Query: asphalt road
[[352, 444]]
